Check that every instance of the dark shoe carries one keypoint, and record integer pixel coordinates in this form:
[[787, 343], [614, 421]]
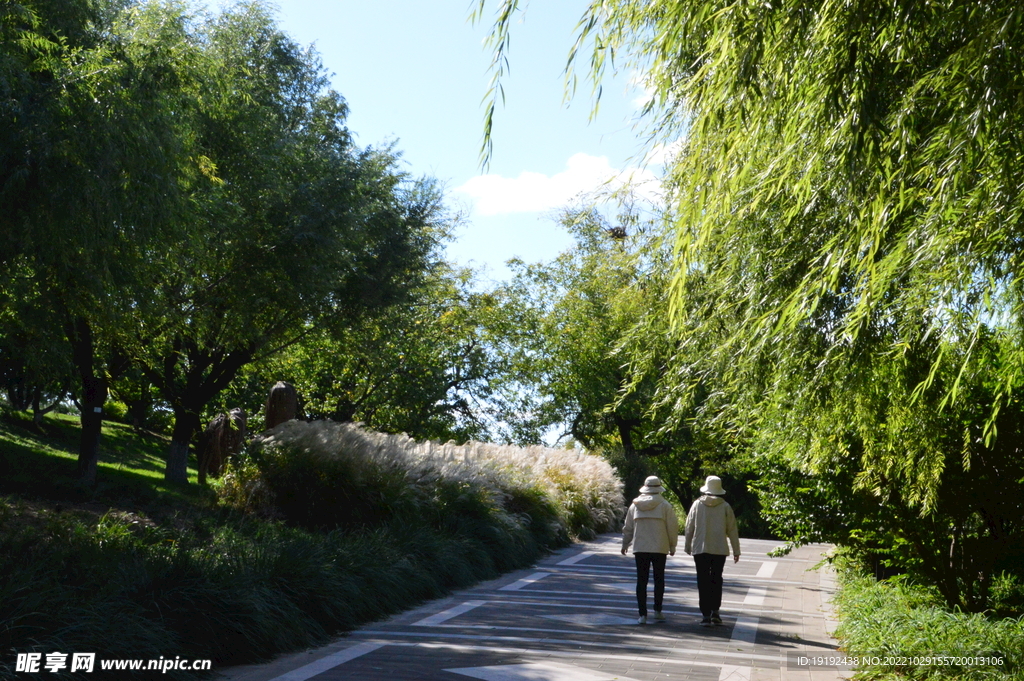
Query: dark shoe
[[706, 622], [716, 618]]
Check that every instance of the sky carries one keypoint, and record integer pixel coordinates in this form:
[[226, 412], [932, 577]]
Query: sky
[[415, 73]]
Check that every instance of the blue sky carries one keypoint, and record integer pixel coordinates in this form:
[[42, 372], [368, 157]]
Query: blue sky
[[416, 72]]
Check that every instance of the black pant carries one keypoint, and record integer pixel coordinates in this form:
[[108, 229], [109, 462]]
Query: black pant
[[644, 561], [709, 581]]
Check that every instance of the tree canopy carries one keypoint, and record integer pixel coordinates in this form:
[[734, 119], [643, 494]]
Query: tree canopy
[[95, 148], [847, 210], [419, 366], [293, 226], [181, 197]]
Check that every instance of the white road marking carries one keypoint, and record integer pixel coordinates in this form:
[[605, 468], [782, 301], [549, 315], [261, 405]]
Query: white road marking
[[446, 615], [767, 569], [755, 595], [628, 593], [588, 619], [679, 604], [686, 576], [329, 662], [745, 630], [697, 661], [577, 558], [536, 671], [574, 606], [519, 584], [571, 645]]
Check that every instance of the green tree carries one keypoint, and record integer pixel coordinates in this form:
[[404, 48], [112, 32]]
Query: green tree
[[589, 344], [421, 366], [574, 322], [846, 204], [841, 163], [35, 367], [875, 447], [91, 156], [292, 228]]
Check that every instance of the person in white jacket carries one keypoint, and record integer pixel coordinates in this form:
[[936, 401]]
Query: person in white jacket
[[710, 529], [651, 527]]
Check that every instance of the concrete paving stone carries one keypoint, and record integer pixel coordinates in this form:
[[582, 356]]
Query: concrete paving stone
[[576, 608], [765, 674], [646, 666]]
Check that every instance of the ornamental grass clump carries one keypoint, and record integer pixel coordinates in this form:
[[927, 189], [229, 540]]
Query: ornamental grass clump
[[232, 589], [326, 475]]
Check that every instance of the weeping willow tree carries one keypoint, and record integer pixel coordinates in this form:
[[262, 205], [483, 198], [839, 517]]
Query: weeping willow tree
[[847, 203]]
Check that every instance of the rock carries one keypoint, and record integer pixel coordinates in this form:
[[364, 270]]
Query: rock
[[223, 438], [282, 404]]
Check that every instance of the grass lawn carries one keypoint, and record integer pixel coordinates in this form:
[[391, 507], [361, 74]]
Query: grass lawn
[[40, 462]]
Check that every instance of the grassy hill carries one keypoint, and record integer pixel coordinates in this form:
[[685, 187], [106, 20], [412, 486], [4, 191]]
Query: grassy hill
[[38, 464]]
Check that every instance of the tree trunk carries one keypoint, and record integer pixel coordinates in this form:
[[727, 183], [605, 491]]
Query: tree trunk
[[39, 411], [138, 410], [17, 395], [186, 423], [189, 389], [626, 436], [935, 565], [94, 394]]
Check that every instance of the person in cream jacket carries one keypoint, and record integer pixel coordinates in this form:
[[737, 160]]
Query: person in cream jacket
[[710, 529], [651, 527]]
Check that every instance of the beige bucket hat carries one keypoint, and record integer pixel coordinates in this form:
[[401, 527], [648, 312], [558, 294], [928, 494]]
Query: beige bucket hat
[[652, 485], [713, 485]]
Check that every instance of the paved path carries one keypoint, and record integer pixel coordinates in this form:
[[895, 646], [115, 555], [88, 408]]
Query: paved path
[[572, 617]]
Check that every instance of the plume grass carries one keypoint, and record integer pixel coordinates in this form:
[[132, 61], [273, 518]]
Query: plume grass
[[334, 474]]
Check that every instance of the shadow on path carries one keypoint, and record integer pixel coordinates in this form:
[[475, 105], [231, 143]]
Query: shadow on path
[[573, 617]]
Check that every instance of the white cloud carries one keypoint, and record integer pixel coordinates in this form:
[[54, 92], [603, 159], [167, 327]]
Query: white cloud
[[642, 82], [662, 153], [536, 192]]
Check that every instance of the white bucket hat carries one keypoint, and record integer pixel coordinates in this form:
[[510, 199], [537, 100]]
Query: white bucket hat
[[652, 485], [713, 485]]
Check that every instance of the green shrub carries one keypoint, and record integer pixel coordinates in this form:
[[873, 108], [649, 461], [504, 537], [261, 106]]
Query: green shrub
[[115, 410], [897, 618], [1007, 595], [533, 509], [232, 589], [317, 491]]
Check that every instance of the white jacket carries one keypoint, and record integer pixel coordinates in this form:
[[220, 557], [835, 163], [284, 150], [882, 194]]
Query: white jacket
[[651, 525], [711, 521]]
